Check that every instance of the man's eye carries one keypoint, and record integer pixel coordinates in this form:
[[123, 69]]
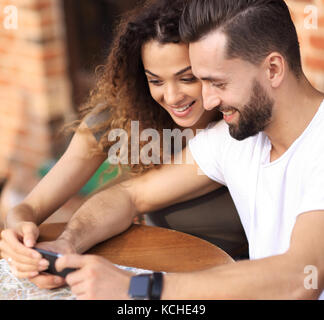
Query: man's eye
[[219, 85]]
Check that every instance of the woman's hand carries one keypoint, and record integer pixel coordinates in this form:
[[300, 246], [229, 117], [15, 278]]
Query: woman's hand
[[45, 280], [16, 247]]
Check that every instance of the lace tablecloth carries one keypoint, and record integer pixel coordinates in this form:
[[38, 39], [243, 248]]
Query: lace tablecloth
[[12, 288]]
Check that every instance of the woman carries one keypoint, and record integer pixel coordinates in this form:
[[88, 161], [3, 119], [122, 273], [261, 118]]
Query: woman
[[147, 78]]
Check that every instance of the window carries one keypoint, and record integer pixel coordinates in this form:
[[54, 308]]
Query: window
[[89, 31]]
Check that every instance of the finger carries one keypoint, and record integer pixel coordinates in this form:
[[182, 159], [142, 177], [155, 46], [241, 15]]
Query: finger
[[22, 275], [78, 289], [48, 281], [1, 248], [76, 261], [6, 257], [24, 270], [23, 260], [75, 277], [17, 265], [10, 243], [42, 266], [30, 234]]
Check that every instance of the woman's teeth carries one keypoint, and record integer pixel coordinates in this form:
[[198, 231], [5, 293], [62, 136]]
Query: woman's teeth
[[185, 107]]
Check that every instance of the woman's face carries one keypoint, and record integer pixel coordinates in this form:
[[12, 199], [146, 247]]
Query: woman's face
[[171, 82]]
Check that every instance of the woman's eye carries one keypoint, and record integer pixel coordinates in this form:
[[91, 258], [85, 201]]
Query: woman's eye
[[155, 82], [191, 79]]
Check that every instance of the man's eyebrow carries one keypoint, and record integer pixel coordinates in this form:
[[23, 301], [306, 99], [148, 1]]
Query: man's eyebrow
[[176, 74], [211, 78]]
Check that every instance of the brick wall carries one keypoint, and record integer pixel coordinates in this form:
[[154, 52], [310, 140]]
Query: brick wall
[[35, 93], [34, 86], [308, 16]]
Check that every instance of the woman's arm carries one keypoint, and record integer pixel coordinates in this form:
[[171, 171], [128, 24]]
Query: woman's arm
[[65, 179]]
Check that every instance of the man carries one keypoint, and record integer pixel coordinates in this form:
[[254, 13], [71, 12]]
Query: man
[[268, 151]]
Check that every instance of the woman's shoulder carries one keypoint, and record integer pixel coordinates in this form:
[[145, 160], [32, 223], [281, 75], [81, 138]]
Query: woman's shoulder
[[97, 116]]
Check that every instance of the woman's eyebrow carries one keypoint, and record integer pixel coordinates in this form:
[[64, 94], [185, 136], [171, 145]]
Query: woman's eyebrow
[[183, 70], [176, 74], [151, 73]]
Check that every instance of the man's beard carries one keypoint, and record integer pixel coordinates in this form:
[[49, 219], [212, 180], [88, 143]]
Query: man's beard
[[254, 116]]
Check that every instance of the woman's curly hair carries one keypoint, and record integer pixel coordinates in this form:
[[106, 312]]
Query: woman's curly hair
[[122, 87]]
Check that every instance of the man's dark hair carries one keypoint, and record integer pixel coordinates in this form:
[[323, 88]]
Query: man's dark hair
[[254, 28]]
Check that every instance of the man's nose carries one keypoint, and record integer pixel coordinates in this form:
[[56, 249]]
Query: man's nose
[[172, 95], [210, 98]]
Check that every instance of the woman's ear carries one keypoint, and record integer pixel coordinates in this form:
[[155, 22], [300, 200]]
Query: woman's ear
[[275, 66]]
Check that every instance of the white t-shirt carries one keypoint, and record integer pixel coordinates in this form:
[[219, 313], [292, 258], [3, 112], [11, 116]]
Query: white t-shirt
[[268, 195]]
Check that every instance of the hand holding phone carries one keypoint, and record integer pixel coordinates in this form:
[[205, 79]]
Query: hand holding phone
[[51, 257]]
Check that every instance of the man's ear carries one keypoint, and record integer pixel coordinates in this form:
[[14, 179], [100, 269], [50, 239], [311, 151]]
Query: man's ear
[[275, 67]]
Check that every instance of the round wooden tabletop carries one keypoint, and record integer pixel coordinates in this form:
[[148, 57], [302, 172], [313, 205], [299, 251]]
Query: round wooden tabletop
[[152, 248]]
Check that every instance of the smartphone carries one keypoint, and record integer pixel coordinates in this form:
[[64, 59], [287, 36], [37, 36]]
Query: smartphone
[[51, 257]]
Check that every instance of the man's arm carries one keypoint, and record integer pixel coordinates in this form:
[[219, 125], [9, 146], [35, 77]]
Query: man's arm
[[278, 277], [113, 210]]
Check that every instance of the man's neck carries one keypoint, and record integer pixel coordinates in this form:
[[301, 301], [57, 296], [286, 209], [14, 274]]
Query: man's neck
[[206, 118], [295, 107]]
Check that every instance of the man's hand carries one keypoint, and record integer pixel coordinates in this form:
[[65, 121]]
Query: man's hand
[[16, 247], [96, 279]]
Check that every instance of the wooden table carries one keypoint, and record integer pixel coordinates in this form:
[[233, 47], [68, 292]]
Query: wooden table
[[152, 248]]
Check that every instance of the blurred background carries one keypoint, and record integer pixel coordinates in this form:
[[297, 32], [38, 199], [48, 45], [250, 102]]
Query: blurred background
[[49, 50]]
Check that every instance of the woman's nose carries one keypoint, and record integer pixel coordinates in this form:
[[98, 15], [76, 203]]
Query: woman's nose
[[172, 95]]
